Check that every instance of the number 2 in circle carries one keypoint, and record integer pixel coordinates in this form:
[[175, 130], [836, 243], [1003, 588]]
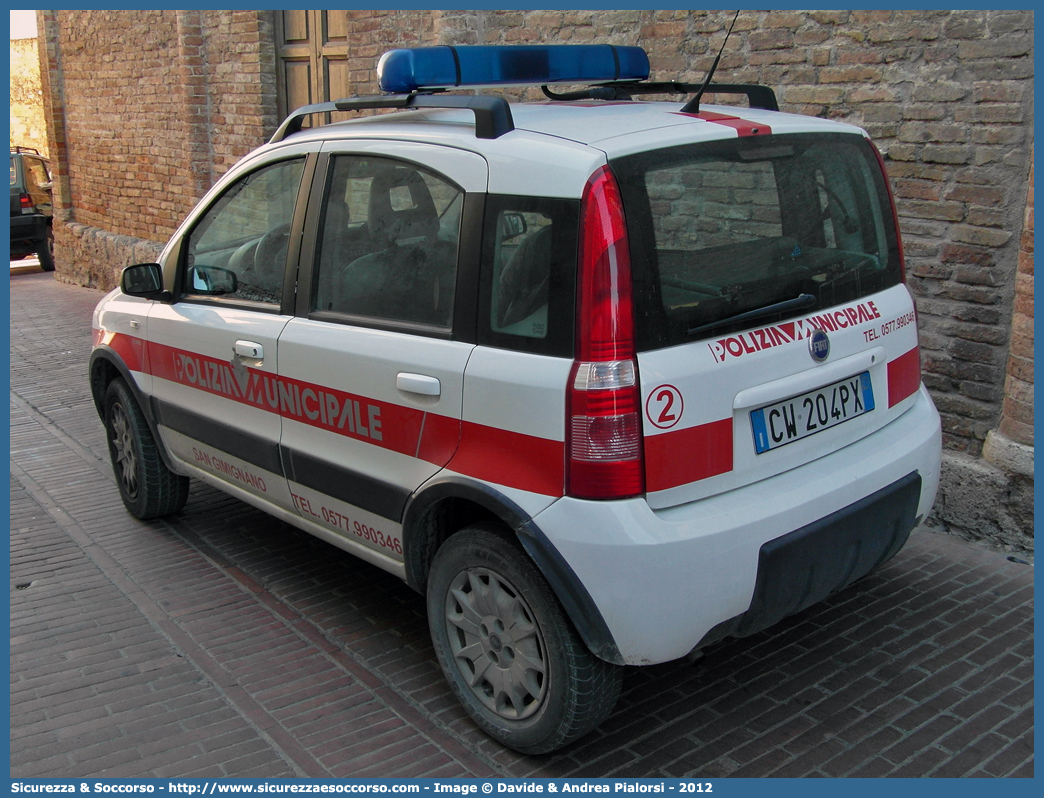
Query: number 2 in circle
[[664, 406]]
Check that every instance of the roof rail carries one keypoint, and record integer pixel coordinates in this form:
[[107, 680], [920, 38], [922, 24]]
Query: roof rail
[[762, 97], [19, 148], [492, 114], [758, 96]]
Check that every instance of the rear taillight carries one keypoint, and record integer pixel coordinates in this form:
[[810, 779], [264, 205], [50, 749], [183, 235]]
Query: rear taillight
[[895, 211], [604, 434], [904, 373], [26, 203]]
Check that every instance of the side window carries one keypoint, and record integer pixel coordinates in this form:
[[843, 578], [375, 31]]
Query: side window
[[529, 264], [521, 273], [238, 249], [388, 240], [38, 183]]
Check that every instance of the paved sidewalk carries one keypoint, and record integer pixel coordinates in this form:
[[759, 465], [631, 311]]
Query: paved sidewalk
[[221, 642]]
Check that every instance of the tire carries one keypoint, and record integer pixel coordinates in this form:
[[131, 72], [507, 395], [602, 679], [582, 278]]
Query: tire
[[508, 649], [45, 251], [148, 488]]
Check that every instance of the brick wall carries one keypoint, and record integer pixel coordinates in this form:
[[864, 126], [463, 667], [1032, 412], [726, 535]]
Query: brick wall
[[370, 33], [155, 104], [149, 107], [992, 498]]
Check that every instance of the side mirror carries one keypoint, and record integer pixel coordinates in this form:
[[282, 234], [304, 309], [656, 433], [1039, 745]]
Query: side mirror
[[514, 225], [212, 281], [144, 280]]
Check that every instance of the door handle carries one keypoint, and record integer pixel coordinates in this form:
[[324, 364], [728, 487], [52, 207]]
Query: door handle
[[418, 383], [248, 349]]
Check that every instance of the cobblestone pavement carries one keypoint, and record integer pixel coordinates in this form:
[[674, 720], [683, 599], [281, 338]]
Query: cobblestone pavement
[[221, 642]]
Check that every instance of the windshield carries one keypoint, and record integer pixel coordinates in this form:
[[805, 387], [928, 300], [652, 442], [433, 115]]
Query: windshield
[[745, 232]]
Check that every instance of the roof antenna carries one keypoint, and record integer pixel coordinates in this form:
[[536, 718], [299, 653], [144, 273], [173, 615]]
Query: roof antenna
[[693, 105]]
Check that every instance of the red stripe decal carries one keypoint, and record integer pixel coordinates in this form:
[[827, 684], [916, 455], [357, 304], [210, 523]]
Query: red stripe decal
[[440, 436], [688, 455], [741, 126], [511, 458], [904, 376], [506, 458], [383, 424], [130, 349]]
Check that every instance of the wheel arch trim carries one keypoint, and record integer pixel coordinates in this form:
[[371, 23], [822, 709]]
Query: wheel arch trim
[[104, 355], [570, 591]]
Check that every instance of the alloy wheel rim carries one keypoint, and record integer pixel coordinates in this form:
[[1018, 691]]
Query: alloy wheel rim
[[123, 444], [497, 644]]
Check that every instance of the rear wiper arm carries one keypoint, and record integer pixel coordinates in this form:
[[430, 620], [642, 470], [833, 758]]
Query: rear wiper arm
[[797, 303]]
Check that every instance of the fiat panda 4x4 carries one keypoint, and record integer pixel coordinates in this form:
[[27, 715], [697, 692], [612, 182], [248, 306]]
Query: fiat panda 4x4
[[606, 379]]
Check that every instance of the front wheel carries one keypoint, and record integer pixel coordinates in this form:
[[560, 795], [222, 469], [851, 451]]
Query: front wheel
[[508, 649], [148, 488]]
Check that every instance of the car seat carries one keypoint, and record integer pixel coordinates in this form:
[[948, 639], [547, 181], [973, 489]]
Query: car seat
[[410, 276]]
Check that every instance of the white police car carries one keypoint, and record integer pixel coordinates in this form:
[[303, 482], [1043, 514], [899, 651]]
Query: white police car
[[608, 380]]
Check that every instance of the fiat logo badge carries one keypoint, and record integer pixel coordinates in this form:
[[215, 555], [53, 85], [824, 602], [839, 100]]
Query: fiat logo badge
[[819, 345]]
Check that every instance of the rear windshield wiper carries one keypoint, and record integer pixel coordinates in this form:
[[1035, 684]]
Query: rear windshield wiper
[[797, 303]]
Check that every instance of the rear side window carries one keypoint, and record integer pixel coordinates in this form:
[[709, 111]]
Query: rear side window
[[528, 274], [37, 172], [736, 234]]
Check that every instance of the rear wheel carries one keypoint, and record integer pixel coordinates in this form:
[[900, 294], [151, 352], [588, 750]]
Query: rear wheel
[[508, 649], [45, 251], [148, 488]]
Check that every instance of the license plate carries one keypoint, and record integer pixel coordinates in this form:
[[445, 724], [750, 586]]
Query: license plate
[[800, 416]]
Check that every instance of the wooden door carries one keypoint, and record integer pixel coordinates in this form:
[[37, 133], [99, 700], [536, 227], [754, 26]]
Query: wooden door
[[312, 63]]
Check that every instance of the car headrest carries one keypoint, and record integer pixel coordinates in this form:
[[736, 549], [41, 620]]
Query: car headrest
[[401, 206]]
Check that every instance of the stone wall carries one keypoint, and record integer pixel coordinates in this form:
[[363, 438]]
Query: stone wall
[[28, 123], [155, 104]]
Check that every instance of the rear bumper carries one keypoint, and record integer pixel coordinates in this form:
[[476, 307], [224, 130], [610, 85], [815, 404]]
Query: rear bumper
[[805, 566], [28, 230], [666, 581]]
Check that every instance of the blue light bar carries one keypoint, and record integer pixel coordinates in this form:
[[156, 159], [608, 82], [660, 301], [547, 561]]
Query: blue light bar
[[519, 65]]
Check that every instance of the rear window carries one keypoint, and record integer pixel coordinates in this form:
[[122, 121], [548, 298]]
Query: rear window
[[736, 234]]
